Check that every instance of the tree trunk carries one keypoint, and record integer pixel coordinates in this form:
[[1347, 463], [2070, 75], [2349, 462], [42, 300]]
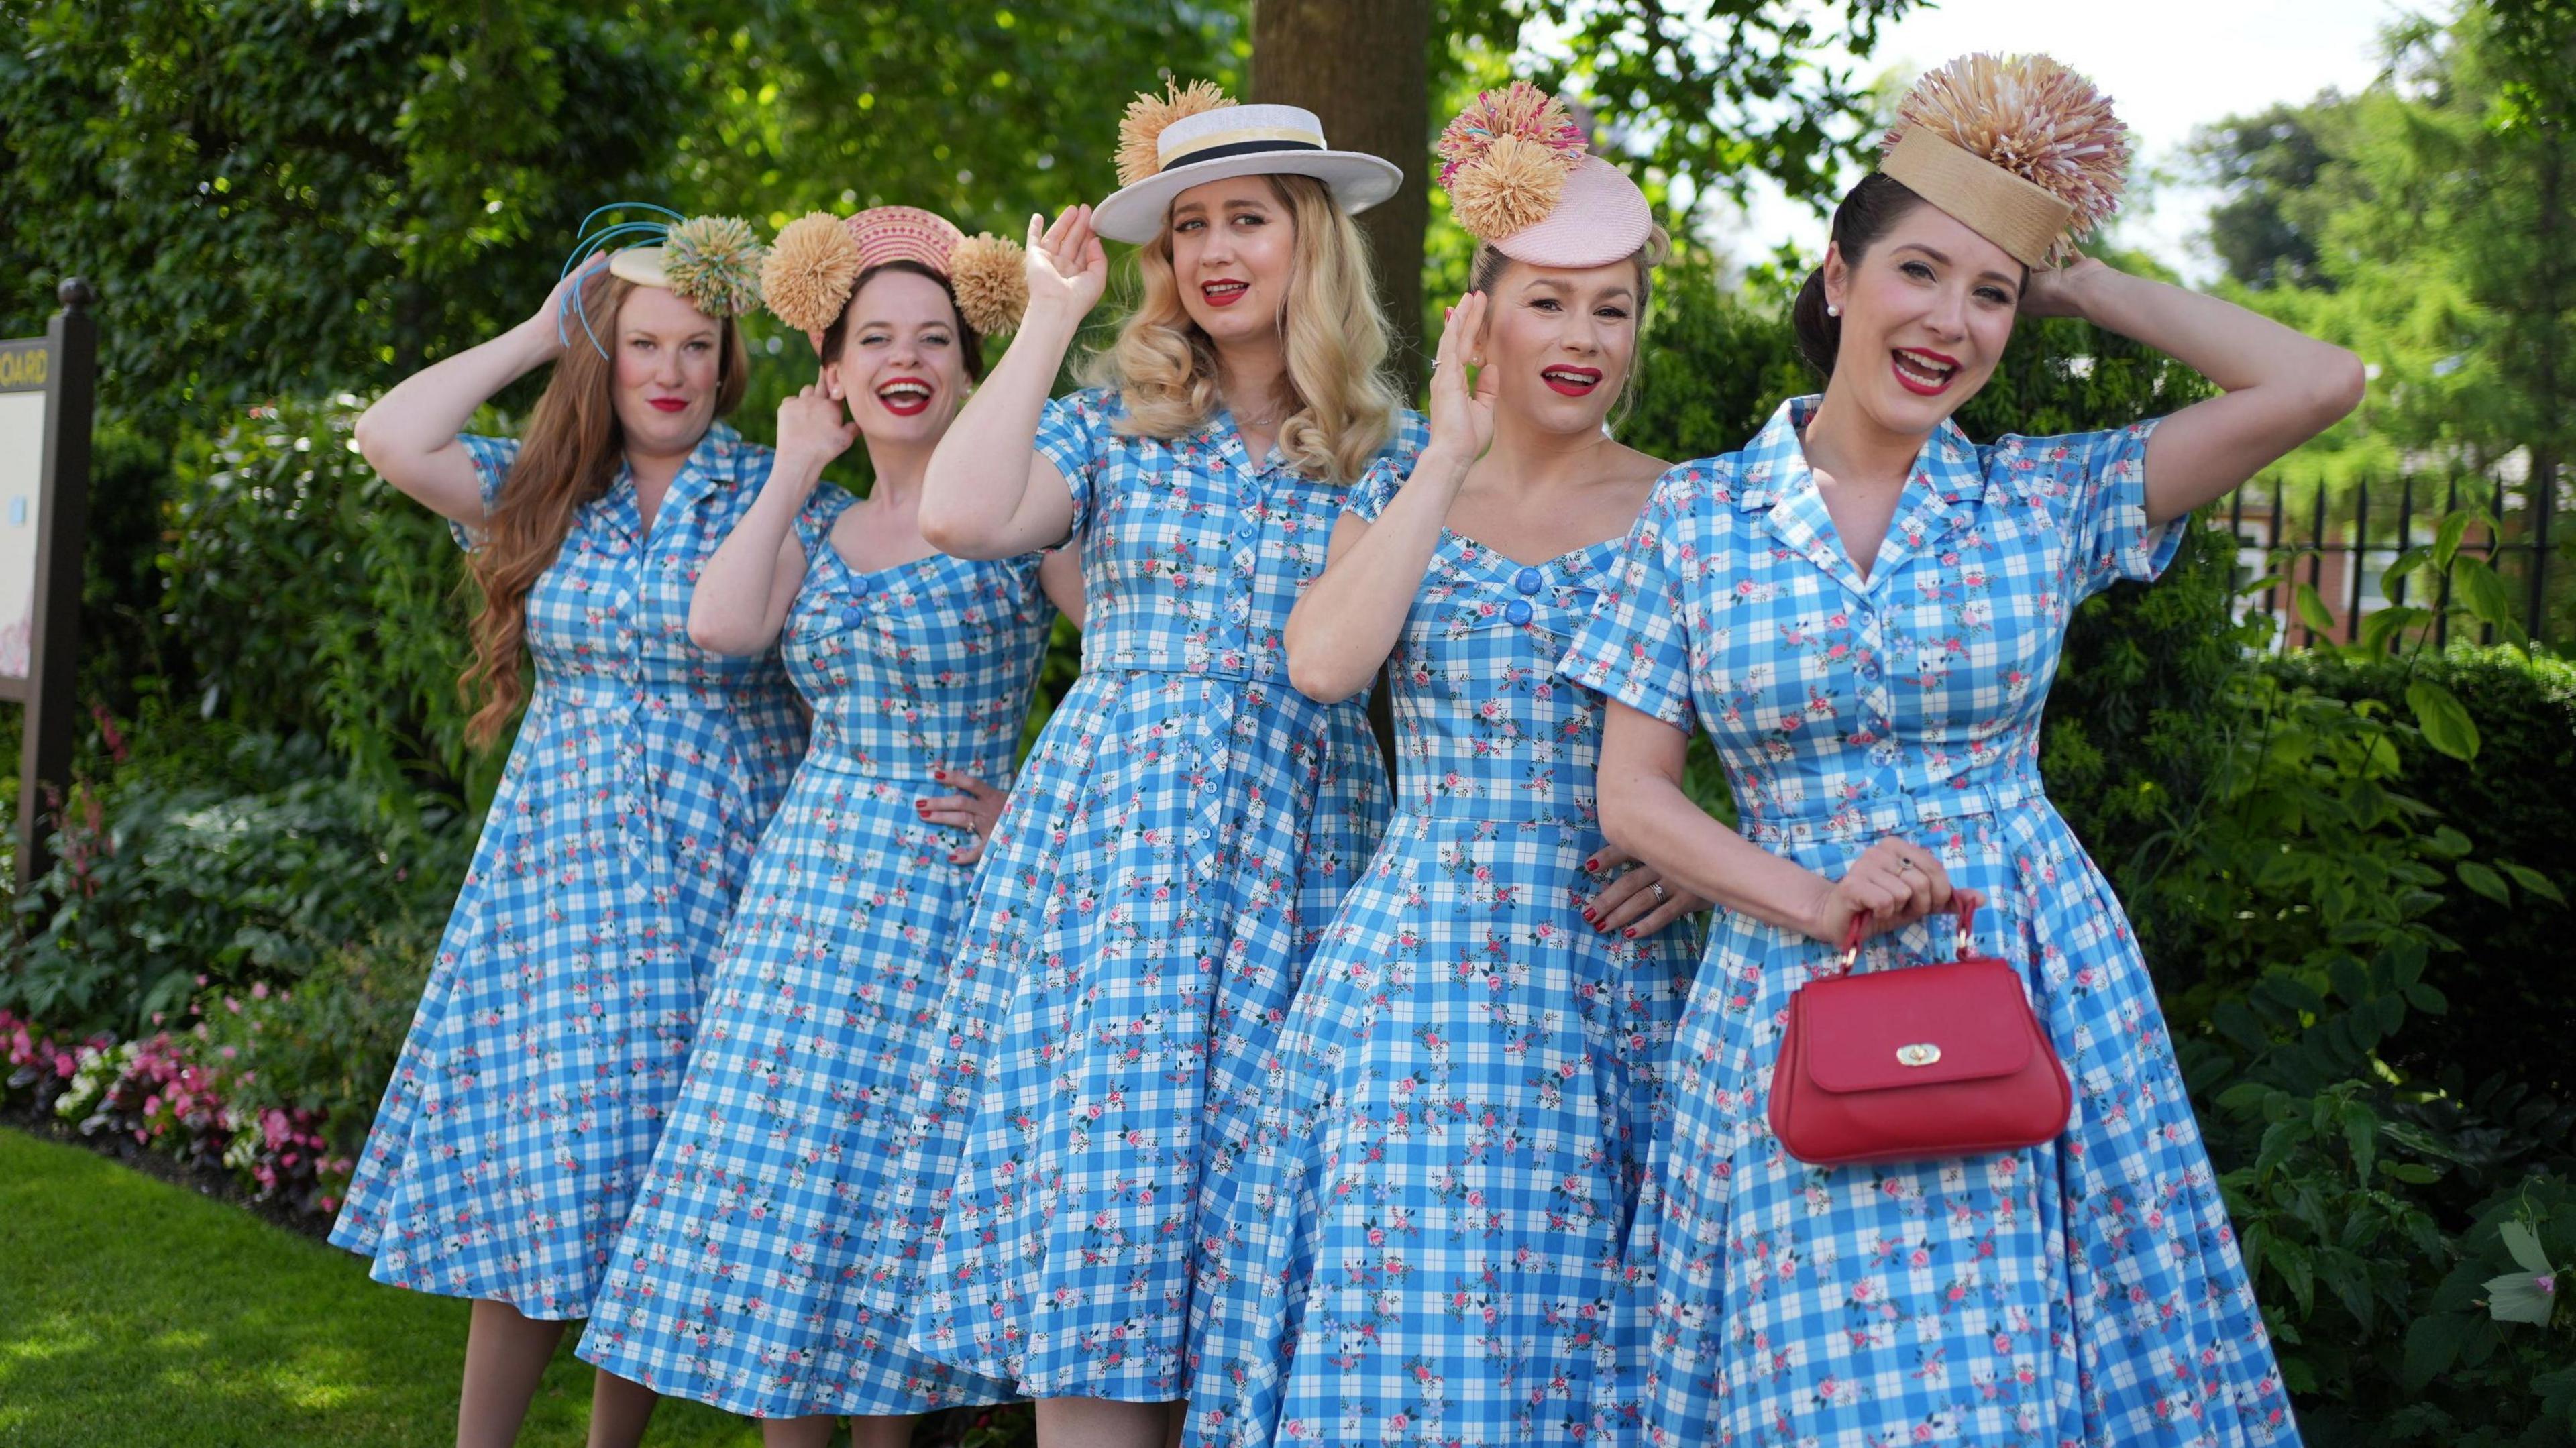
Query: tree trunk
[[1362, 66]]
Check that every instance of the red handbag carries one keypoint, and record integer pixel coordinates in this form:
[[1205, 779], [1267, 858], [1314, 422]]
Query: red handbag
[[1918, 1064]]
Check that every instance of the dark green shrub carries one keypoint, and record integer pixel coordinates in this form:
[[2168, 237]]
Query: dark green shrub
[[219, 864], [341, 604], [2510, 997]]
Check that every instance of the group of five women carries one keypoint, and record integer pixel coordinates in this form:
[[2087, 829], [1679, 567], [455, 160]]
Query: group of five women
[[830, 1065]]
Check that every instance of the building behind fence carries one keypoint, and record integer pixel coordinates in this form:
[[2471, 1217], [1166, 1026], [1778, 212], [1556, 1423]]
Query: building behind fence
[[2342, 545]]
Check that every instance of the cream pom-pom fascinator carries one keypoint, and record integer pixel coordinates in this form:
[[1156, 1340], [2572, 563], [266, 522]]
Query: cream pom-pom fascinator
[[2023, 151], [1521, 180], [710, 262], [1194, 134], [817, 260]]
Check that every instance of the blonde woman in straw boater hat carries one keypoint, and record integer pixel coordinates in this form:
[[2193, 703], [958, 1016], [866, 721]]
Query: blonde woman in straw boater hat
[[750, 1274], [1864, 608], [1471, 1075], [1187, 822], [559, 1012]]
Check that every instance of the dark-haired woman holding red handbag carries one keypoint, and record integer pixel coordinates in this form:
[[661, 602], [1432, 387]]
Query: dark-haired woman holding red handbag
[[1864, 609]]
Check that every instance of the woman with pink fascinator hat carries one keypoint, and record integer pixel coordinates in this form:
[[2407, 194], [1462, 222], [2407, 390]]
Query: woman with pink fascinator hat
[[1461, 1107], [752, 1274], [1864, 609]]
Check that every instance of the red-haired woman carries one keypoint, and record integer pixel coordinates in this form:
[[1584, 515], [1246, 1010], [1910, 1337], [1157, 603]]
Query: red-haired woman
[[564, 999]]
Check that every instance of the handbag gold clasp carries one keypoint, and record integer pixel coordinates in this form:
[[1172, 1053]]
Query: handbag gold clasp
[[1922, 1053]]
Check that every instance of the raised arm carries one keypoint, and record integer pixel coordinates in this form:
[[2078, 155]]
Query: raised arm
[[1348, 620], [409, 435], [2281, 387], [746, 588], [1645, 812], [989, 494]]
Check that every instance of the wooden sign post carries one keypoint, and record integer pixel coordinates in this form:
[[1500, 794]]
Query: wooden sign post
[[48, 387]]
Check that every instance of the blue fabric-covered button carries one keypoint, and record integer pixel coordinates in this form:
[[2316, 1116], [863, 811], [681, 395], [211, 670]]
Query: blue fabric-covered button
[[858, 586], [1527, 581], [1519, 612]]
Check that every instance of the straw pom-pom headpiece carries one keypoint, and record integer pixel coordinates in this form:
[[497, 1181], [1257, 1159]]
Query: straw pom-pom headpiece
[[713, 262], [1140, 131], [811, 267], [2032, 119], [1505, 158], [989, 277]]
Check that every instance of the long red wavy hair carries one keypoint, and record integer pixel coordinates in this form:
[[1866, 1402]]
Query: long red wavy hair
[[569, 455]]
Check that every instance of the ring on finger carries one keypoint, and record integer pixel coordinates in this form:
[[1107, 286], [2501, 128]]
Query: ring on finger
[[1658, 888]]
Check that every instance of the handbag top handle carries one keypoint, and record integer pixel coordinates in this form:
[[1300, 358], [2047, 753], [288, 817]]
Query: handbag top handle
[[1965, 902]]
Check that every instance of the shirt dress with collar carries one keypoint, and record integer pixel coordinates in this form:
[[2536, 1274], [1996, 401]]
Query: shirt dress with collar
[[748, 1276], [559, 1012], [1472, 1075], [1182, 833], [2087, 1290]]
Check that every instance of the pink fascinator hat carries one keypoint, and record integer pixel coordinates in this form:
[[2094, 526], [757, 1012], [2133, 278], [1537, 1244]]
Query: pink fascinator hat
[[1520, 180]]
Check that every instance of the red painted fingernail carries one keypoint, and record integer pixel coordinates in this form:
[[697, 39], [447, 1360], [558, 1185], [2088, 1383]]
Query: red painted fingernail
[[939, 774], [1630, 932], [921, 806], [1592, 864]]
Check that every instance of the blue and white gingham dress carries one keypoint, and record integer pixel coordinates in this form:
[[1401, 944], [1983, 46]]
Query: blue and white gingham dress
[[1182, 832], [550, 1039], [2086, 1291], [746, 1278], [1471, 1076]]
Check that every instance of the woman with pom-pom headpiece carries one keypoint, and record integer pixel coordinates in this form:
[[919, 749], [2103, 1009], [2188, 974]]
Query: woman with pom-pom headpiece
[[548, 1047], [1469, 1081], [1187, 822], [754, 1274], [1864, 609]]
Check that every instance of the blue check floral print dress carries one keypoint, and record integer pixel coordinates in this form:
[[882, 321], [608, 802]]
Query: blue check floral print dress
[[744, 1279], [551, 1037], [1471, 1076], [2086, 1291], [1182, 833]]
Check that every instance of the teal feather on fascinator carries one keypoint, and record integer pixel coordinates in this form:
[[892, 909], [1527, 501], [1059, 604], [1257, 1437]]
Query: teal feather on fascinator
[[710, 262]]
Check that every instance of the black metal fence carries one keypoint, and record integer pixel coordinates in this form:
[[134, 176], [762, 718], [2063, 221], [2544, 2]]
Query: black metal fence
[[2341, 545]]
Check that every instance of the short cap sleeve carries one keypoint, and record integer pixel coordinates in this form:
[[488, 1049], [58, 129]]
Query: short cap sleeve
[[1636, 648], [1376, 488], [492, 457], [1074, 433], [2094, 486], [814, 521]]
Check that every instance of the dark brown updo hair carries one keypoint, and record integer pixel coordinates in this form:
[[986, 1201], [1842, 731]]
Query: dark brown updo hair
[[970, 347], [1869, 211]]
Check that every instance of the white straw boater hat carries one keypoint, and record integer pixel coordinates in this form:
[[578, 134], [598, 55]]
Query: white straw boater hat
[[2018, 148], [1195, 134]]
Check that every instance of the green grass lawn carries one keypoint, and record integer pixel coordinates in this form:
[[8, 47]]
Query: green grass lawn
[[133, 1312]]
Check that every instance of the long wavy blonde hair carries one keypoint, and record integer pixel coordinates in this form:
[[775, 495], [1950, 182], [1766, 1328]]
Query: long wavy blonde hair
[[1339, 407], [569, 454]]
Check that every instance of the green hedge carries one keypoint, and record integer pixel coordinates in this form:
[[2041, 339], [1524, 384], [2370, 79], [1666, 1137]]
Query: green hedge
[[2509, 985]]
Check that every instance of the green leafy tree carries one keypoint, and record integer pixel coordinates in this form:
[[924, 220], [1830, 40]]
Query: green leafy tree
[[280, 197]]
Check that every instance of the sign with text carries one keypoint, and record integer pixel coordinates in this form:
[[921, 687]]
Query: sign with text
[[48, 386], [24, 368]]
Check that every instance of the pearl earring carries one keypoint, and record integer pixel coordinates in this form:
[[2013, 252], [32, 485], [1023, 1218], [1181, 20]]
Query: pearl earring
[[1832, 311]]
